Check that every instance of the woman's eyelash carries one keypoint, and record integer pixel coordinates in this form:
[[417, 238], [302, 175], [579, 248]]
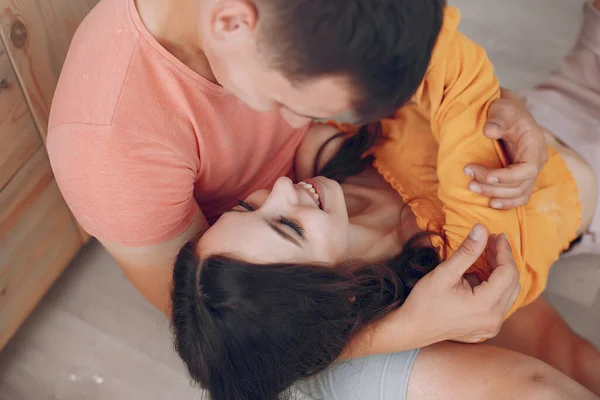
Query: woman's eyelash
[[245, 205], [294, 225], [282, 220]]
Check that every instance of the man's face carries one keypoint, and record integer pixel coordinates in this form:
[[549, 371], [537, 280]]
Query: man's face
[[230, 44]]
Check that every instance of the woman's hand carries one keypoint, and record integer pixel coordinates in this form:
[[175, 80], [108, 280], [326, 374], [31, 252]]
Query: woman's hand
[[523, 140], [444, 306]]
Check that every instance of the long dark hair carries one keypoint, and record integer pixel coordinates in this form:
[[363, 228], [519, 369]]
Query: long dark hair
[[248, 331]]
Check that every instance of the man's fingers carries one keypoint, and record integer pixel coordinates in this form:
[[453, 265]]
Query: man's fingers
[[509, 204], [502, 116], [508, 94], [479, 173], [514, 173], [509, 176], [491, 252], [502, 192], [504, 254], [493, 129], [514, 296], [466, 254], [505, 276]]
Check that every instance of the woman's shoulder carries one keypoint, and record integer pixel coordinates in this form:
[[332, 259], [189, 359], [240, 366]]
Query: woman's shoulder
[[406, 157]]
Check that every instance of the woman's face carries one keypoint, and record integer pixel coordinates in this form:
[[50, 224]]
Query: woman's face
[[293, 223]]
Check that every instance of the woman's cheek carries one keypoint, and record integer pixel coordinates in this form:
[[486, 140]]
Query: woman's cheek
[[258, 198]]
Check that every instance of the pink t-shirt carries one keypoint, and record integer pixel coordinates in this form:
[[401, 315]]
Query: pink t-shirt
[[136, 137]]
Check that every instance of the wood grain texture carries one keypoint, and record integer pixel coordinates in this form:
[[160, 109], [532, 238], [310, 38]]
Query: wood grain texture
[[18, 136], [37, 34], [38, 239]]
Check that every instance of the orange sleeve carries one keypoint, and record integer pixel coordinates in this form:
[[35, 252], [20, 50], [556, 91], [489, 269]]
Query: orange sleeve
[[458, 90], [122, 188]]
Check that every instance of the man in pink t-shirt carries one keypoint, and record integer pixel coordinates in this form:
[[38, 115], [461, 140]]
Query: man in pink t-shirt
[[167, 111]]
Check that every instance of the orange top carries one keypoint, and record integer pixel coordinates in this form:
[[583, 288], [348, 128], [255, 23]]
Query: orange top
[[136, 138], [430, 142]]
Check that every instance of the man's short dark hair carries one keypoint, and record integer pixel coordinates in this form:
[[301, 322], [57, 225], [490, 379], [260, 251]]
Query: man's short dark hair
[[383, 46]]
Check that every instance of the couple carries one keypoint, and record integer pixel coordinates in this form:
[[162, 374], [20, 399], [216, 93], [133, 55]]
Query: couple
[[296, 279], [166, 112]]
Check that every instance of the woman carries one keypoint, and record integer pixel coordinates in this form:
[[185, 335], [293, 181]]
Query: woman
[[275, 299]]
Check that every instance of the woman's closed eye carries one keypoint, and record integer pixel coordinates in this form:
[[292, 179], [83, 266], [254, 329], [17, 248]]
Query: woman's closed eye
[[244, 205], [293, 225]]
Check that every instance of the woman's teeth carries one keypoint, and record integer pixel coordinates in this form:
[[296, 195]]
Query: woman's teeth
[[312, 191]]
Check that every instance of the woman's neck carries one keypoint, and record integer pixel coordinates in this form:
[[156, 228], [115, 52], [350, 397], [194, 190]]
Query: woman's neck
[[380, 222]]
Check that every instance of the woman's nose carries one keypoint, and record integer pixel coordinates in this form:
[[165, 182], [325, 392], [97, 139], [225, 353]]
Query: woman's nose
[[283, 192]]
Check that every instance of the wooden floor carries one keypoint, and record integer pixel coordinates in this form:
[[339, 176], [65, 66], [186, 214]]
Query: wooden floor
[[94, 337]]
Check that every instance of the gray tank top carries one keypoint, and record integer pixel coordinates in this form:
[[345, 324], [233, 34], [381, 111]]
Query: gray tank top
[[380, 377]]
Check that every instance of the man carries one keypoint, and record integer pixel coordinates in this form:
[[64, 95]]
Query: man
[[167, 111]]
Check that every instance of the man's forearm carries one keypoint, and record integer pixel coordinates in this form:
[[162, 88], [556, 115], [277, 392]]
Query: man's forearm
[[398, 331]]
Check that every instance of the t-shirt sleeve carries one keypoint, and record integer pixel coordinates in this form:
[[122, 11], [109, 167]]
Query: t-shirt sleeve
[[122, 188], [458, 91]]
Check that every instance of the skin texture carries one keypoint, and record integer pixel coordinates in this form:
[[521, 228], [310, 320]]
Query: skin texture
[[539, 331], [288, 224], [453, 371]]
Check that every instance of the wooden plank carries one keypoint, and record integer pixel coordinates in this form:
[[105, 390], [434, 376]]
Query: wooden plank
[[38, 239], [37, 35], [18, 136]]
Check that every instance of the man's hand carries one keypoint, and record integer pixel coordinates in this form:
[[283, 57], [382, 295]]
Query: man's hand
[[446, 307], [523, 140]]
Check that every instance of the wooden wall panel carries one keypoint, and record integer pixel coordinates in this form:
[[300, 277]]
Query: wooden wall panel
[[37, 34], [18, 136], [38, 239]]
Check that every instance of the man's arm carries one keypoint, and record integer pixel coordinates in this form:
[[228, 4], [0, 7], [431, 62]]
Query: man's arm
[[139, 204], [150, 269], [444, 306], [510, 121]]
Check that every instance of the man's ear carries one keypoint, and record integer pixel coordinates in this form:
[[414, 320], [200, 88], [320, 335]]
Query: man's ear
[[233, 19]]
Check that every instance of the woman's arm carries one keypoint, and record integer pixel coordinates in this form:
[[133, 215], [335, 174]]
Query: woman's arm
[[459, 88]]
